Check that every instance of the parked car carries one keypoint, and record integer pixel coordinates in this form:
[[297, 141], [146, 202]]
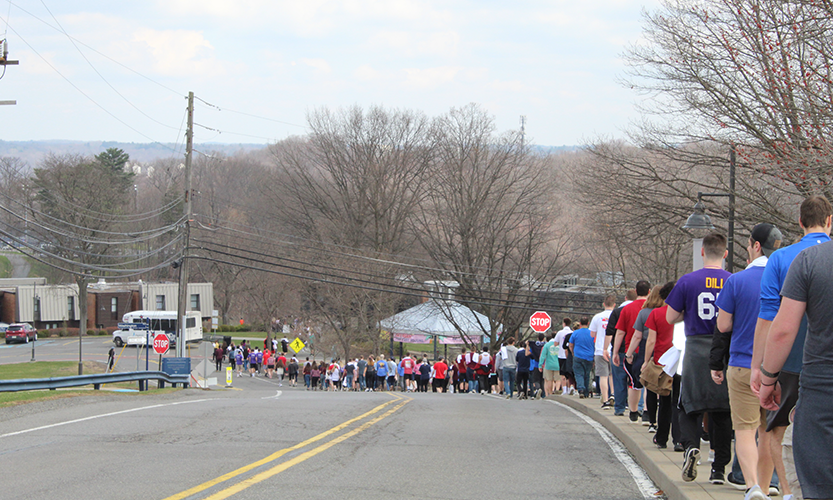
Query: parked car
[[21, 332]]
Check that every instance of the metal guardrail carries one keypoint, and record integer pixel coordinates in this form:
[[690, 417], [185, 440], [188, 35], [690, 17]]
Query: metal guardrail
[[32, 384]]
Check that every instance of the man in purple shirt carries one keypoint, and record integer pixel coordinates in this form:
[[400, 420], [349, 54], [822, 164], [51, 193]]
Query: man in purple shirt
[[693, 300]]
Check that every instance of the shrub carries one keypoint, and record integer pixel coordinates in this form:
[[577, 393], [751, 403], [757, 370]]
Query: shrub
[[42, 334], [243, 328], [62, 332]]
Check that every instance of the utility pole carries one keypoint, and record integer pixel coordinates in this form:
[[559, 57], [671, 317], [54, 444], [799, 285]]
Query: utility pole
[[523, 130], [4, 61], [183, 263]]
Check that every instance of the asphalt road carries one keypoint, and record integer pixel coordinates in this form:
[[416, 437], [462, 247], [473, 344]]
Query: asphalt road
[[258, 440]]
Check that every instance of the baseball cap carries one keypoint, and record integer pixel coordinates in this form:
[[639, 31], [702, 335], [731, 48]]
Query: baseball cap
[[768, 236]]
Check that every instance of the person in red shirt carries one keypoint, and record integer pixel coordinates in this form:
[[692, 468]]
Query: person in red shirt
[[624, 332], [440, 370], [407, 365], [462, 382], [660, 339]]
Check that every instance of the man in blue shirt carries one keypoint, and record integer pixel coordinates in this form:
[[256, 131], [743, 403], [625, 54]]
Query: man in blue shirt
[[738, 305], [814, 219], [583, 347]]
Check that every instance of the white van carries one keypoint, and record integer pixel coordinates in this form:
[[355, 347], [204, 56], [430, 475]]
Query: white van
[[137, 326]]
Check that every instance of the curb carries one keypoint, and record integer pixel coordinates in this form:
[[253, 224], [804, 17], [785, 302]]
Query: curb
[[662, 466]]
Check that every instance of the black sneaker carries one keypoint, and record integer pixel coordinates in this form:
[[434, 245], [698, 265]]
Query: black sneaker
[[652, 428], [661, 446], [716, 477], [634, 416], [689, 472], [734, 482], [678, 447]]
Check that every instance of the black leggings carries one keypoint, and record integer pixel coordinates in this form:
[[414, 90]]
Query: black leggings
[[522, 380]]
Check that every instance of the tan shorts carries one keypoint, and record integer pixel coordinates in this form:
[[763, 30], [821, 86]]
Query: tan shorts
[[747, 413], [550, 375]]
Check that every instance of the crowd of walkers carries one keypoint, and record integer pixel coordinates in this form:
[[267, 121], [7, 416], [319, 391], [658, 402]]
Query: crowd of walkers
[[754, 371]]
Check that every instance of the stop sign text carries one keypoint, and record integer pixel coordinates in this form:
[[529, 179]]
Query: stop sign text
[[161, 343], [540, 321]]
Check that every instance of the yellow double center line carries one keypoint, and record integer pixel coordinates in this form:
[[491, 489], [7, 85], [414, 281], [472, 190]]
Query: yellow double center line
[[242, 485]]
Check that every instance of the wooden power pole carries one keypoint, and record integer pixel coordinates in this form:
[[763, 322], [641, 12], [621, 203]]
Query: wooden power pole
[[183, 263]]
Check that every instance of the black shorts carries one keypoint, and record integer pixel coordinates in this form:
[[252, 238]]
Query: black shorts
[[409, 376], [461, 377], [789, 395], [634, 370], [438, 382], [253, 366]]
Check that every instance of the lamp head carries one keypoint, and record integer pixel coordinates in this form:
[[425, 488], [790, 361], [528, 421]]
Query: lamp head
[[699, 219]]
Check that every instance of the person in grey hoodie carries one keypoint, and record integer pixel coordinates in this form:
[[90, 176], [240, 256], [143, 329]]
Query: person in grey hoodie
[[508, 354]]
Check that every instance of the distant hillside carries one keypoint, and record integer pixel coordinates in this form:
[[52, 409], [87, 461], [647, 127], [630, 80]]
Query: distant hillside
[[33, 151]]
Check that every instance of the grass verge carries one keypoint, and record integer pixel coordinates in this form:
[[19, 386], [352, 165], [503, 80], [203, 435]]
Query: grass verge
[[48, 369], [5, 267]]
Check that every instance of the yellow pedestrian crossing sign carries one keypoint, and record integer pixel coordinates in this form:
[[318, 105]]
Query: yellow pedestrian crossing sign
[[296, 345]]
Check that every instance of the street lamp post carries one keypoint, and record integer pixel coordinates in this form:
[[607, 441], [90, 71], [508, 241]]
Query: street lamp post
[[699, 219]]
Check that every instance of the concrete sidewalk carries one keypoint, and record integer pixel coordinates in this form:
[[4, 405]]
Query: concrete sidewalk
[[663, 466]]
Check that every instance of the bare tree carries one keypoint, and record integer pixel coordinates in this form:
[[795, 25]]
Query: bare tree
[[485, 221], [753, 75], [352, 187]]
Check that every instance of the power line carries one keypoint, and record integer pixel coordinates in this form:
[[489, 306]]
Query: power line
[[532, 296], [99, 74], [96, 51], [85, 94], [218, 108], [233, 133], [317, 246]]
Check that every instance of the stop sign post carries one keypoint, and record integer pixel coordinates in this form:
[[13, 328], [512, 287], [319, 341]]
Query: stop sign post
[[161, 343], [540, 321]]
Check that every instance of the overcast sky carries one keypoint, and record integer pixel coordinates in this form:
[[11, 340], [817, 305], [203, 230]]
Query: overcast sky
[[124, 73]]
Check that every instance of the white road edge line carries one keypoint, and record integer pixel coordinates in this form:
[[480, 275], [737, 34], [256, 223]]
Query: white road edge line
[[643, 482], [276, 396], [101, 416]]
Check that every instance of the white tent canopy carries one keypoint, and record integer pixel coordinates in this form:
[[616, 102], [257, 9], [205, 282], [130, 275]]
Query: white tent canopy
[[446, 319]]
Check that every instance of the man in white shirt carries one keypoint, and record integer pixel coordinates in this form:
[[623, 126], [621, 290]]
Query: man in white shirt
[[601, 358], [562, 355]]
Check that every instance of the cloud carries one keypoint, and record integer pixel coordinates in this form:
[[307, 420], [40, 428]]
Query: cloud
[[319, 64], [366, 73], [178, 52], [414, 43], [309, 18], [430, 77]]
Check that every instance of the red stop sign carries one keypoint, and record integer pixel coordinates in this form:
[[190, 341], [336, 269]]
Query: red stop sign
[[161, 343], [540, 321]]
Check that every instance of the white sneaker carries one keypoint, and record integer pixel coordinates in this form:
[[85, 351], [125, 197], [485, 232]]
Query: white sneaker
[[755, 493]]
